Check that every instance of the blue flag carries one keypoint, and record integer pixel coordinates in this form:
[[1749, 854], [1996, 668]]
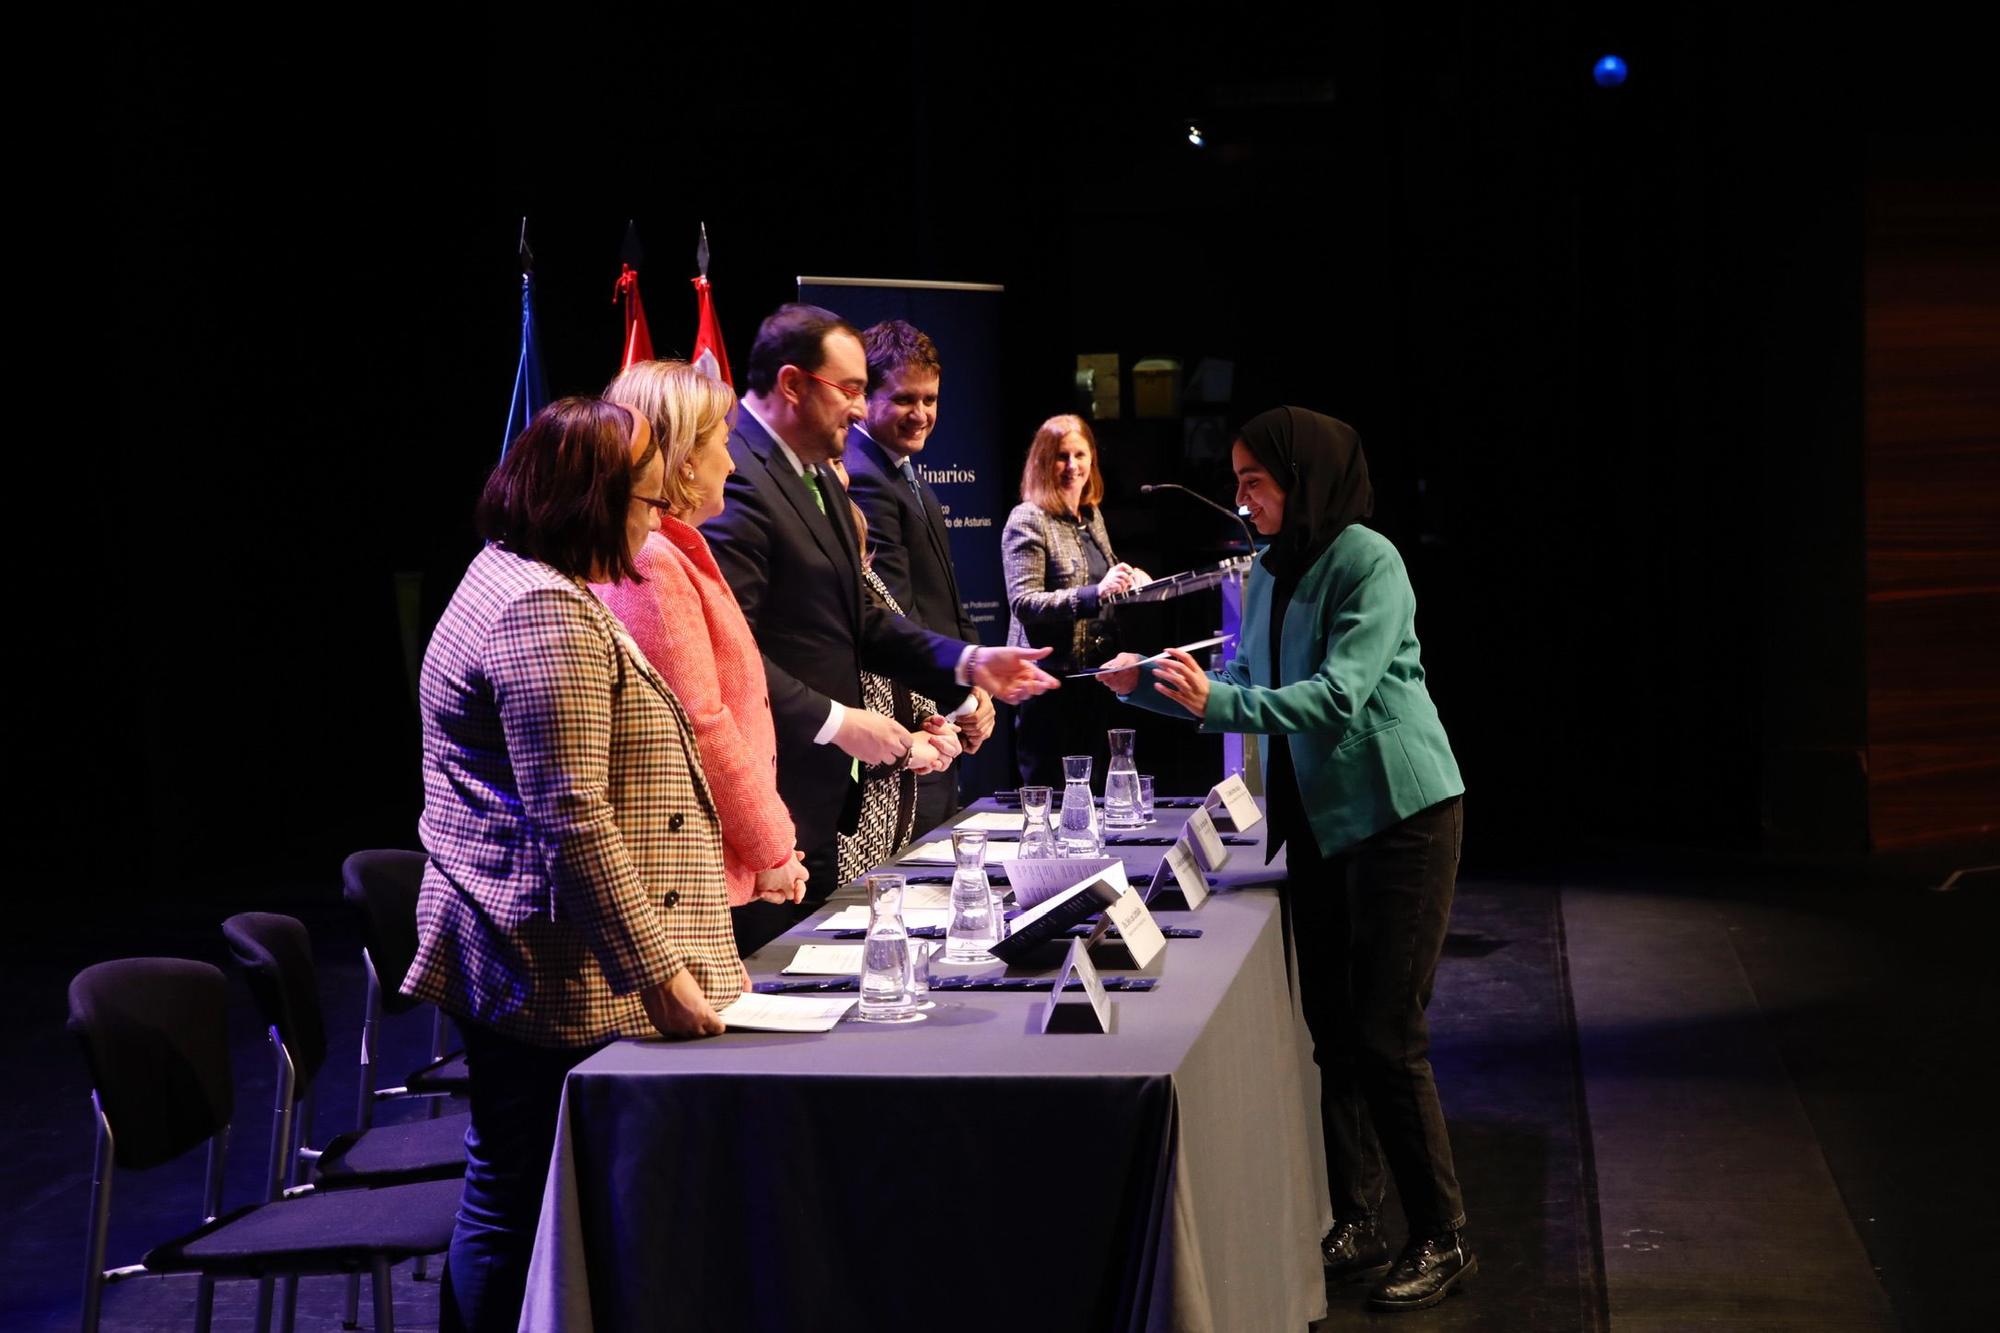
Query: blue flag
[[531, 386]]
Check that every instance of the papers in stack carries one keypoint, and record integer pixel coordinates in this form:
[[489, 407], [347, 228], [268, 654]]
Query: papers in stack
[[786, 1013], [856, 918], [939, 851], [825, 960]]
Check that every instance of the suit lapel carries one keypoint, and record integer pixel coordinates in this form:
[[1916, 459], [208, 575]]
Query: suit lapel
[[940, 541], [834, 535]]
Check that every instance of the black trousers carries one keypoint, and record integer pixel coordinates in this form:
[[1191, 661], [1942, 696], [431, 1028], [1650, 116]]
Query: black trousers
[[937, 799], [1367, 927], [516, 1093], [757, 923]]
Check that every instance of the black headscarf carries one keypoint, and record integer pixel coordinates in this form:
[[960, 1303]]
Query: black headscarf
[[1318, 463]]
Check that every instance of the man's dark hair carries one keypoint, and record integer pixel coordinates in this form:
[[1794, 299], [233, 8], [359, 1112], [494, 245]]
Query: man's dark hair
[[896, 346], [561, 494], [792, 335]]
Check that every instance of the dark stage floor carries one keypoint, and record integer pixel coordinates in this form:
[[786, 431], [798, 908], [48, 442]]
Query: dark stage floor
[[1683, 1094]]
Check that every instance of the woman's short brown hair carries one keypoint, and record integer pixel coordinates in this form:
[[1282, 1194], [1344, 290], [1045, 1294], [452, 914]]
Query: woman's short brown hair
[[562, 493], [683, 406], [1038, 477]]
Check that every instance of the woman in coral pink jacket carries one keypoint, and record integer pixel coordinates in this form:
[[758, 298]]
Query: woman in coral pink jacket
[[686, 621]]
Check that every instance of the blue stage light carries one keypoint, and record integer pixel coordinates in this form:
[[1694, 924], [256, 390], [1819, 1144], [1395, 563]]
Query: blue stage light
[[1609, 72], [1195, 136]]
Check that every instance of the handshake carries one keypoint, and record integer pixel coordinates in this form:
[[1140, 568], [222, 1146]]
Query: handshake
[[877, 740]]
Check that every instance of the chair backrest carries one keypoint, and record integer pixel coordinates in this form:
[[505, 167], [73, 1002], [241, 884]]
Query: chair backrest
[[276, 956], [382, 888], [155, 1033]]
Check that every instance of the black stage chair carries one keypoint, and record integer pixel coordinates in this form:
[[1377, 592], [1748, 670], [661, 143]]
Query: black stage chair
[[276, 956], [155, 1034], [382, 887]]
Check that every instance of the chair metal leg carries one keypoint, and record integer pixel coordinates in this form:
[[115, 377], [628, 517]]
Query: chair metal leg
[[211, 1208], [282, 1160], [371, 1019], [440, 1039], [288, 1303], [364, 1101], [100, 1221], [385, 1299]]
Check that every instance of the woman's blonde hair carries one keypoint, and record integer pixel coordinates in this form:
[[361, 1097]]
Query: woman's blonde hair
[[1038, 477], [684, 407]]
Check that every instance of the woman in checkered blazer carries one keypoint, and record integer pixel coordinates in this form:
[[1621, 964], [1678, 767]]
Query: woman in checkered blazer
[[575, 890]]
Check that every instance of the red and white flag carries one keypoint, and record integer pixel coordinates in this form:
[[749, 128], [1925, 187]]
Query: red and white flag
[[638, 339], [709, 356]]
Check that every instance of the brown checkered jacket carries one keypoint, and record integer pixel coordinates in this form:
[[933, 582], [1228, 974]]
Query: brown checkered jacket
[[575, 854]]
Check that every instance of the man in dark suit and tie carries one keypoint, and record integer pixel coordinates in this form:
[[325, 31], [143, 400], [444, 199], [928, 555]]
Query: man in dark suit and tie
[[906, 528], [786, 543]]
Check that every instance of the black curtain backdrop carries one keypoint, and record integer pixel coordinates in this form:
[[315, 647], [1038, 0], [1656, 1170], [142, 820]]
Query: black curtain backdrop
[[1603, 348]]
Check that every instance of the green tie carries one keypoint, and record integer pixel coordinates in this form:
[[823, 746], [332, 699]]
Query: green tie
[[811, 479]]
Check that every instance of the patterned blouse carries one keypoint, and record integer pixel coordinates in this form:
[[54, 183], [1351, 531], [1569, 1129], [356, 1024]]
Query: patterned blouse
[[888, 793]]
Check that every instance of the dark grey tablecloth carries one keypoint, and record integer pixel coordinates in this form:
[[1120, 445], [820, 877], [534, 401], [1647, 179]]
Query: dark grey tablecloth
[[964, 1171]]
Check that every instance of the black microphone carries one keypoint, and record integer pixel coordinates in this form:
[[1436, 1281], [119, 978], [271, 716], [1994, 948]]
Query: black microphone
[[1249, 538]]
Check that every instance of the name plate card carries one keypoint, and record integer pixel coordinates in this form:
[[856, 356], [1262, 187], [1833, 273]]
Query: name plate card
[[1060, 1017], [1233, 796], [1187, 875], [1206, 841], [1137, 928]]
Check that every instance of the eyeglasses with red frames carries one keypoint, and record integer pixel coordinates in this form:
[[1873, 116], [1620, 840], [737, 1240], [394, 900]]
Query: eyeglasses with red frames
[[852, 395]]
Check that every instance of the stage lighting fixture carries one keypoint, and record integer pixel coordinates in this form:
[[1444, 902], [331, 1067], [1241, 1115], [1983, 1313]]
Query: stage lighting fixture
[[1194, 135], [1609, 72]]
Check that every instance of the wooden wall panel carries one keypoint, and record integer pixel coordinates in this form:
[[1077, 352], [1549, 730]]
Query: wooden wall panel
[[1932, 478]]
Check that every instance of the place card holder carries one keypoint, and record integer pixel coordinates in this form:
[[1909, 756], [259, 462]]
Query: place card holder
[[1094, 1015], [1233, 797]]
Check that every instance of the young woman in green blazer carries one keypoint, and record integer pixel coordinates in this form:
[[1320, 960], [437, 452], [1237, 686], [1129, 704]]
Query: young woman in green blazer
[[1365, 793]]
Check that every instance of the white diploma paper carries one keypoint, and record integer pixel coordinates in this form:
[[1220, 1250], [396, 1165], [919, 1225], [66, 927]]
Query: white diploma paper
[[825, 960], [939, 852], [1038, 879], [856, 918], [993, 821], [786, 1013], [1160, 656], [1113, 873]]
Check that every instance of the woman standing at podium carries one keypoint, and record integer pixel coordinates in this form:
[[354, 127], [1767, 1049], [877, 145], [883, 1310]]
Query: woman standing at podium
[[1059, 566], [1366, 795]]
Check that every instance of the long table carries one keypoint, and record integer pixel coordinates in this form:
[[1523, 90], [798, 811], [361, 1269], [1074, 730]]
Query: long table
[[964, 1172]]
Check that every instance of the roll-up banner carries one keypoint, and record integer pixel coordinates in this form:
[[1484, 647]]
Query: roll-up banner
[[962, 459]]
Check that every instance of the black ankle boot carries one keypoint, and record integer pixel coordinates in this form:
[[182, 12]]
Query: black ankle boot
[[1430, 1268], [1354, 1248]]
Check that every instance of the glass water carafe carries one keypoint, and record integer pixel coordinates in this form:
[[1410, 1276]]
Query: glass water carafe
[[971, 931], [1081, 833], [1038, 836], [1121, 783], [886, 995]]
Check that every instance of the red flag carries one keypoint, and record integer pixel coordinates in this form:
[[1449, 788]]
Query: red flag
[[709, 357], [638, 340]]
